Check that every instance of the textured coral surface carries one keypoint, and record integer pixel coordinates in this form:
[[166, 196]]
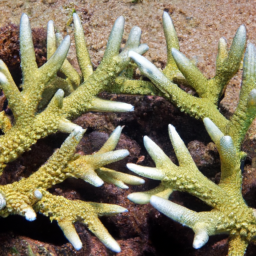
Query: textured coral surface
[[143, 230]]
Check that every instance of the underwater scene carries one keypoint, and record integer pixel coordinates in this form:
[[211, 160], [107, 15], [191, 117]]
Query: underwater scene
[[127, 128]]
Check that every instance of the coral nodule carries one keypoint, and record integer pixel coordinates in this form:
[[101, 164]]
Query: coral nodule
[[44, 106]]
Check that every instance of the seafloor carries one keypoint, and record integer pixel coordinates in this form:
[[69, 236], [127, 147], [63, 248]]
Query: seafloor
[[143, 230]]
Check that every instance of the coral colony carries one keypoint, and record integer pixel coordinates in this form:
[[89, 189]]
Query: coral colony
[[229, 213], [59, 100], [48, 102]]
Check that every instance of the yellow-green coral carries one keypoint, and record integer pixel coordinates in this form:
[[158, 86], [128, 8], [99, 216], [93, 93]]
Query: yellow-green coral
[[44, 106], [34, 117], [230, 213], [48, 101], [179, 70], [30, 195]]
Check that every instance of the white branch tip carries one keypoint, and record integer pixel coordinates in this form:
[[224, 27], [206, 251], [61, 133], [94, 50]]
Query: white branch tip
[[38, 195], [77, 244], [241, 31], [200, 239], [134, 35], [212, 130], [3, 79], [145, 66], [227, 147], [180, 58], [167, 20], [92, 178], [50, 28], [113, 245], [71, 234], [120, 21], [139, 198], [174, 136], [2, 202], [97, 182], [98, 104], [149, 172], [172, 210], [59, 93], [77, 21], [223, 42], [30, 214], [24, 20], [114, 156]]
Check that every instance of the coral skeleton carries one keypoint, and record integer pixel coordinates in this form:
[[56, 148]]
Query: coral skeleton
[[45, 105], [230, 213]]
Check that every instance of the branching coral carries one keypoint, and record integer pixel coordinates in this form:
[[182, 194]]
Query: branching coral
[[32, 124], [203, 105], [230, 213], [55, 93], [180, 70], [30, 195], [45, 105]]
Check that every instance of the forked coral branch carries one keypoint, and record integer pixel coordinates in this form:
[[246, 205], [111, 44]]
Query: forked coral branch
[[80, 92], [30, 195], [44, 106], [209, 91], [179, 70], [229, 213]]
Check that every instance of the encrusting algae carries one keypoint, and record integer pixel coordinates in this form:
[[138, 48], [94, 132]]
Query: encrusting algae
[[48, 101]]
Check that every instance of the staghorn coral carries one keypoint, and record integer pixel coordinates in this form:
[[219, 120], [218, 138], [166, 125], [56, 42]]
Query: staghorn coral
[[30, 195], [230, 213], [44, 106], [95, 174], [33, 120], [179, 70], [205, 104]]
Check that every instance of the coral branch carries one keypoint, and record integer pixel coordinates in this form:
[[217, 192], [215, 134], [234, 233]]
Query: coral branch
[[230, 214], [31, 125], [45, 105]]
